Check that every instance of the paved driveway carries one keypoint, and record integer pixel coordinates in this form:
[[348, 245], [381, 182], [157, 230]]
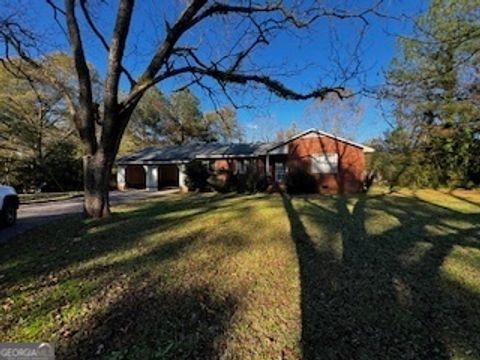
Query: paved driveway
[[30, 216]]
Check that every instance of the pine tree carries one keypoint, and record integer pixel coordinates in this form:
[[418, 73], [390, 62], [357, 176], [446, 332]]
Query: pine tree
[[434, 82]]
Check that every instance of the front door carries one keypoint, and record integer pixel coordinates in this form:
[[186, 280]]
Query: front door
[[279, 172]]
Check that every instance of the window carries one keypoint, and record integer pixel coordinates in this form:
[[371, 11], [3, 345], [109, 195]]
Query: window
[[242, 166], [324, 164]]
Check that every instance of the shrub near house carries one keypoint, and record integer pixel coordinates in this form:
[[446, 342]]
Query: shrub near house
[[197, 176], [201, 178], [299, 181]]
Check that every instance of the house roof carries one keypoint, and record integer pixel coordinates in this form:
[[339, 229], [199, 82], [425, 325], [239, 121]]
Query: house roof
[[188, 152], [365, 148]]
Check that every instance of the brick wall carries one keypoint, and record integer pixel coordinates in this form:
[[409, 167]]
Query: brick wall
[[351, 162]]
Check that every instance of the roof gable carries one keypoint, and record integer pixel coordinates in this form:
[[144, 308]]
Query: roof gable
[[322, 133]]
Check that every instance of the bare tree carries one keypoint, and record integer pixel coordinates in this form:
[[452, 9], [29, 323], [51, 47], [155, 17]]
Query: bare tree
[[339, 117], [101, 126]]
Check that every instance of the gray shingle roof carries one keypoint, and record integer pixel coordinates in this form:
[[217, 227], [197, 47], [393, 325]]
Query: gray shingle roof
[[187, 152]]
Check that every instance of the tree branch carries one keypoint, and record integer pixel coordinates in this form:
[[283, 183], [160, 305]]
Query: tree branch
[[102, 39], [275, 86], [85, 111], [183, 23], [116, 52]]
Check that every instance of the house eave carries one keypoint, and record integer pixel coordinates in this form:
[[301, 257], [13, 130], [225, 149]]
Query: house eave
[[220, 156], [152, 162]]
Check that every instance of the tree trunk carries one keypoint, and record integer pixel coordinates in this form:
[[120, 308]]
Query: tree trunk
[[96, 172], [97, 168]]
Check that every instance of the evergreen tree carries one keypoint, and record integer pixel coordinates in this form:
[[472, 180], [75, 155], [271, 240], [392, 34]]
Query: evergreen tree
[[434, 82], [187, 120], [177, 119]]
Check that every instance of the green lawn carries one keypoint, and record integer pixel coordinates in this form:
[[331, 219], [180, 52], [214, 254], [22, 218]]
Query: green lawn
[[253, 277]]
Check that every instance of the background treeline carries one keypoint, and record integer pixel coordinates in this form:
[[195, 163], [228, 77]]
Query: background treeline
[[432, 89], [39, 149], [178, 119], [433, 85], [38, 146]]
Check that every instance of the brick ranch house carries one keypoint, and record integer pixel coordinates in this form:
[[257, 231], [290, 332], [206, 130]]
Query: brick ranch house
[[337, 164]]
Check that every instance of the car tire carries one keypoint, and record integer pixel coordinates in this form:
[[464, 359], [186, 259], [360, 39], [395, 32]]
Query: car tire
[[9, 214]]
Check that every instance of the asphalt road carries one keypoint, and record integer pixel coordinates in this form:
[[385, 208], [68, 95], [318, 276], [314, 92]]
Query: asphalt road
[[30, 216]]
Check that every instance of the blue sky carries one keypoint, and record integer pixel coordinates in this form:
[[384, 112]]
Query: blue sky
[[302, 60]]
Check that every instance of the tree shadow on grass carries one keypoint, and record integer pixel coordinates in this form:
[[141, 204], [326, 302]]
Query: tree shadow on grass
[[149, 323], [384, 297], [53, 248], [135, 306], [464, 199]]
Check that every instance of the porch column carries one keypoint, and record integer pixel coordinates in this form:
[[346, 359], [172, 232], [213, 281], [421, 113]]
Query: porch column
[[182, 177], [151, 172], [267, 165], [121, 177]]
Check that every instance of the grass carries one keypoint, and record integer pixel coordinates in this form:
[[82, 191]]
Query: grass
[[253, 277], [48, 196]]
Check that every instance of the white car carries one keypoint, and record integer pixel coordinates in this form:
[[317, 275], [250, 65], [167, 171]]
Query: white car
[[8, 205]]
